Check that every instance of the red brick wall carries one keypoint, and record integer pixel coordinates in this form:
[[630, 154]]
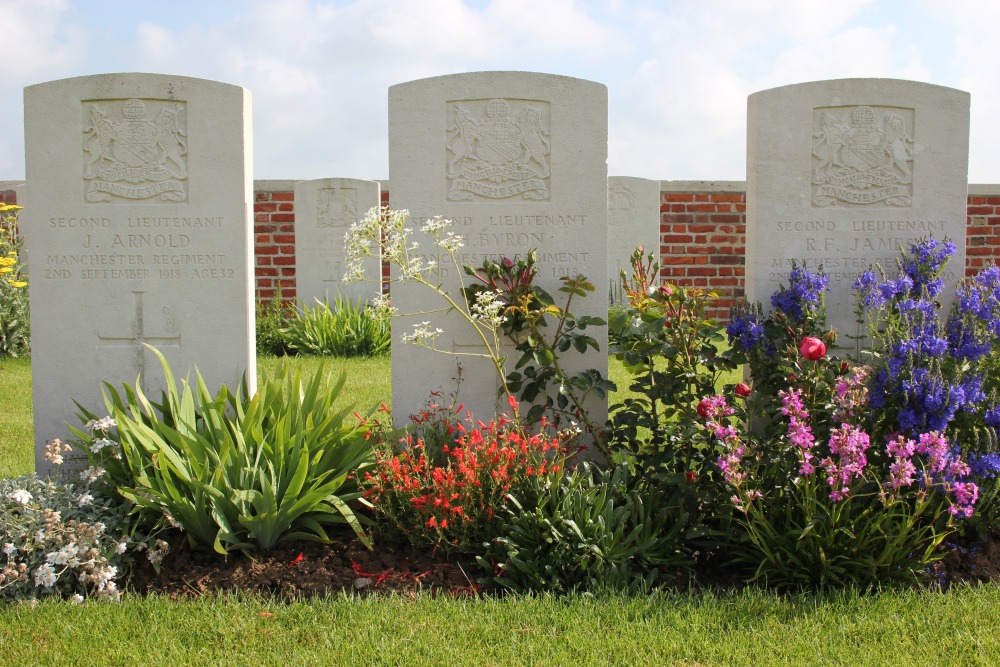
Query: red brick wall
[[274, 240], [982, 243], [702, 243]]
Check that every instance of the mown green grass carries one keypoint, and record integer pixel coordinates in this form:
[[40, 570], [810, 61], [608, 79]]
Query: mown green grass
[[17, 451], [748, 628]]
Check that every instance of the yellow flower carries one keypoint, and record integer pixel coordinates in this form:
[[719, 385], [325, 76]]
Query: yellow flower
[[7, 261], [6, 269], [10, 207], [18, 283]]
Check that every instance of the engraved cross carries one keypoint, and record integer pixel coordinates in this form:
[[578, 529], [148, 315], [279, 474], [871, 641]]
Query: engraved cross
[[137, 336]]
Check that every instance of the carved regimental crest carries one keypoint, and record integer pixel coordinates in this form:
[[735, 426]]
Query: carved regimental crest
[[336, 207], [862, 156], [498, 149], [135, 150], [621, 205]]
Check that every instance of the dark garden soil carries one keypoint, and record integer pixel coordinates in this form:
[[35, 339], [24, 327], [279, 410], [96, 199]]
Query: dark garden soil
[[297, 570], [303, 569]]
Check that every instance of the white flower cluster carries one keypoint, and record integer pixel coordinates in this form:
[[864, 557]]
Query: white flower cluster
[[381, 306], [104, 424], [54, 450], [59, 538], [20, 496], [422, 334], [92, 474], [488, 308]]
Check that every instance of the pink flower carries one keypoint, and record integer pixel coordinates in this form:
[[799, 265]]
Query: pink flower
[[812, 348]]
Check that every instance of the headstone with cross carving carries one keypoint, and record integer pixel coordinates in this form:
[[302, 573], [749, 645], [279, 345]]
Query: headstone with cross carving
[[518, 160], [324, 210], [140, 192]]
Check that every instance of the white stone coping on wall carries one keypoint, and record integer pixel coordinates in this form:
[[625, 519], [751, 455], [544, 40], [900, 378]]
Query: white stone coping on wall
[[6, 186], [984, 189], [703, 186], [275, 186]]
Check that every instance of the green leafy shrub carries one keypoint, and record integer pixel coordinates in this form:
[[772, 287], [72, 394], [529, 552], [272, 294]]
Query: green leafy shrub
[[590, 530], [233, 472], [15, 331], [348, 329], [61, 538], [271, 320], [506, 295]]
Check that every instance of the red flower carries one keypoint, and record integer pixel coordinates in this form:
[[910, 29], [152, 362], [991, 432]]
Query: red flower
[[704, 408], [812, 348], [743, 389], [690, 476]]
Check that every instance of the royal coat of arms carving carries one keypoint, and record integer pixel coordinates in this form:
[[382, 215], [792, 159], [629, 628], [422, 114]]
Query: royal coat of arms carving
[[498, 149], [862, 156], [135, 150]]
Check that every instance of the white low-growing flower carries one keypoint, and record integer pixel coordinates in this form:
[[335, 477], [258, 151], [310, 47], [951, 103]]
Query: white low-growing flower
[[9, 548], [54, 450], [84, 500], [102, 424], [45, 575], [65, 555], [103, 578], [121, 547], [99, 527], [40, 535], [76, 598], [92, 474], [20, 496], [99, 444]]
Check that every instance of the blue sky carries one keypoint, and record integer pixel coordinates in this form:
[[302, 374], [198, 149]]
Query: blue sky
[[678, 71]]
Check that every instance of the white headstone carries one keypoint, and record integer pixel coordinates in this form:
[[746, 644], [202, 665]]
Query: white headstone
[[138, 229], [840, 173], [324, 210], [633, 221], [519, 161]]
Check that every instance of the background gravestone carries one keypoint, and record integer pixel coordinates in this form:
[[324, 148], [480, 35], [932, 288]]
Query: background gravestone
[[324, 210], [840, 173], [633, 220], [518, 160], [140, 196]]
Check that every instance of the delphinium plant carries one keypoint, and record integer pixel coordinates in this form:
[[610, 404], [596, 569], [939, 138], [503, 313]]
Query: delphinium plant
[[857, 472]]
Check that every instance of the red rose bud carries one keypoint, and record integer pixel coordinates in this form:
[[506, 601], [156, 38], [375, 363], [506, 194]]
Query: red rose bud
[[665, 291], [507, 263], [812, 348], [704, 408], [844, 367], [690, 476], [743, 389]]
